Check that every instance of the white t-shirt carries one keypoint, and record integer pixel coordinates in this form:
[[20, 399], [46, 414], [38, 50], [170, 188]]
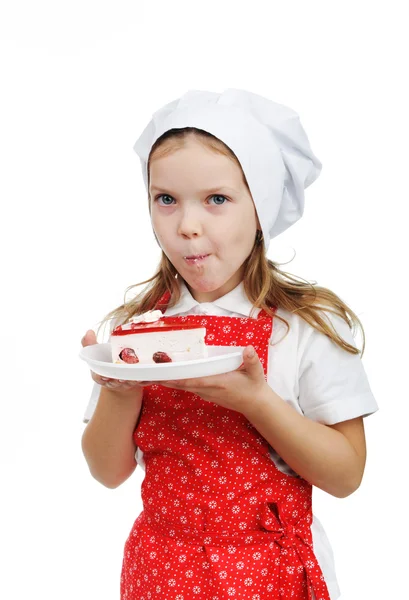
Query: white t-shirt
[[308, 370]]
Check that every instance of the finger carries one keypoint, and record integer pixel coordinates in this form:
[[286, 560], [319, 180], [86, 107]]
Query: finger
[[112, 383], [179, 384], [122, 385], [99, 379], [89, 338], [96, 377]]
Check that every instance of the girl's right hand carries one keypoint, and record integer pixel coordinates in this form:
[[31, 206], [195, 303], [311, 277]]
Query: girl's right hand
[[117, 385]]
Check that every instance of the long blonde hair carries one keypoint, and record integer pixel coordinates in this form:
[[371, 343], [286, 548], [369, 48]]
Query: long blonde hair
[[264, 283]]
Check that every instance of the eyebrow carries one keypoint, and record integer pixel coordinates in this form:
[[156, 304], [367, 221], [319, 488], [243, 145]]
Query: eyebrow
[[211, 191]]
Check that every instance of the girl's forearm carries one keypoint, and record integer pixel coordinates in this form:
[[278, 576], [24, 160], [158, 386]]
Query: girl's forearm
[[319, 454], [107, 442]]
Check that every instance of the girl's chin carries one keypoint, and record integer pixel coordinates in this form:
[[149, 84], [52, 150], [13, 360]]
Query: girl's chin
[[201, 283]]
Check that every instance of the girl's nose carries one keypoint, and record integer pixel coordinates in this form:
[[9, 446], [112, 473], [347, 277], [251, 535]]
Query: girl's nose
[[191, 222], [190, 229]]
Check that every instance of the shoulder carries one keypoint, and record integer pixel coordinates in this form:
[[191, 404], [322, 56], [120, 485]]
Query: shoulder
[[328, 383], [302, 334]]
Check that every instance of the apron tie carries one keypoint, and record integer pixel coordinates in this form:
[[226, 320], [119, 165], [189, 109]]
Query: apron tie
[[292, 538]]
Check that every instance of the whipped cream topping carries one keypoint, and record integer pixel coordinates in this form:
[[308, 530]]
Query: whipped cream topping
[[148, 317]]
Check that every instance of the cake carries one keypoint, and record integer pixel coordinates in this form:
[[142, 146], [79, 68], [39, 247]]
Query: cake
[[153, 338]]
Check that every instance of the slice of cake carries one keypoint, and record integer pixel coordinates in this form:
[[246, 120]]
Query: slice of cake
[[153, 338]]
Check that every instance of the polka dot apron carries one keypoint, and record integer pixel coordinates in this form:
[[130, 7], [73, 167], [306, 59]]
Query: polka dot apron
[[219, 520]]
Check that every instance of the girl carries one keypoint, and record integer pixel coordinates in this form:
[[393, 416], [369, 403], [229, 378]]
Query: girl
[[231, 460]]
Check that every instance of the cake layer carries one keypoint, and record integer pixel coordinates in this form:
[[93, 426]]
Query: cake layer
[[153, 338], [176, 345]]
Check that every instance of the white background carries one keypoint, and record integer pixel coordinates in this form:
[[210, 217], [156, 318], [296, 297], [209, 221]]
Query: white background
[[79, 81]]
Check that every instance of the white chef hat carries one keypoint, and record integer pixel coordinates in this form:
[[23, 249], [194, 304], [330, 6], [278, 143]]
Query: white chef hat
[[267, 138]]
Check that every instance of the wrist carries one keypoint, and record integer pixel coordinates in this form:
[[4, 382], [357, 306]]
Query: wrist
[[261, 399]]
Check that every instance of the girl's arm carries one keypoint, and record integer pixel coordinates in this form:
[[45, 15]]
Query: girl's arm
[[323, 456], [107, 441]]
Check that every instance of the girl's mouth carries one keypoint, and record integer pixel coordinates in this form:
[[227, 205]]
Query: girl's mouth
[[196, 259]]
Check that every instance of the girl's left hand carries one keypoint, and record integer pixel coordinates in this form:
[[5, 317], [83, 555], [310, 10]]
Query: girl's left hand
[[237, 390]]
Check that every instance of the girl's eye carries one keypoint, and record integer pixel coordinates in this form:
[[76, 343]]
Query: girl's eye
[[218, 196], [163, 196], [169, 204]]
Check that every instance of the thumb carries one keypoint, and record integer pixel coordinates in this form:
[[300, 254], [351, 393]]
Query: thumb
[[89, 338], [251, 360]]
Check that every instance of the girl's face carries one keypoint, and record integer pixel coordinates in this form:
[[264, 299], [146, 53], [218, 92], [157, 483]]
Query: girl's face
[[199, 205]]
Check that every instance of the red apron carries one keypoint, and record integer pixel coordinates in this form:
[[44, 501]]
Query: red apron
[[219, 520]]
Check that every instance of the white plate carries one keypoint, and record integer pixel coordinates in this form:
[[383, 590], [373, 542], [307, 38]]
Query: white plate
[[221, 359]]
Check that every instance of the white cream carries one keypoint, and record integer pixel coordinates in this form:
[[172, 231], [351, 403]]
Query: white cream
[[148, 317]]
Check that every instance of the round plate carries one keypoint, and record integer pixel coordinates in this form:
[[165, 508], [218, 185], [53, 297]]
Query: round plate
[[221, 359]]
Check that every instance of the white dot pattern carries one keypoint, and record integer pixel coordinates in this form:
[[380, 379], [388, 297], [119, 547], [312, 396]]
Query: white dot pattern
[[220, 521]]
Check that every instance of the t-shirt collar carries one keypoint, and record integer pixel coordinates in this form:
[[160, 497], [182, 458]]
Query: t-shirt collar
[[234, 301]]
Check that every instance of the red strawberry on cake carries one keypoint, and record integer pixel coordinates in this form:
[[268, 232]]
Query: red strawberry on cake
[[153, 338]]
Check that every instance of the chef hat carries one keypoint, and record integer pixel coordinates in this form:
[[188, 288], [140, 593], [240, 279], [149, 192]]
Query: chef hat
[[267, 139]]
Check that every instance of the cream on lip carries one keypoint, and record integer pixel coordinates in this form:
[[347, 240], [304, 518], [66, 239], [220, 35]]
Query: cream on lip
[[196, 259], [196, 256]]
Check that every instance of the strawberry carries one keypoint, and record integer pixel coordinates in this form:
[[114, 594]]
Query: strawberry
[[128, 355], [161, 357]]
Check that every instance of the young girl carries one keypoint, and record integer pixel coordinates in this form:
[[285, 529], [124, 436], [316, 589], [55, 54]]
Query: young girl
[[231, 460]]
